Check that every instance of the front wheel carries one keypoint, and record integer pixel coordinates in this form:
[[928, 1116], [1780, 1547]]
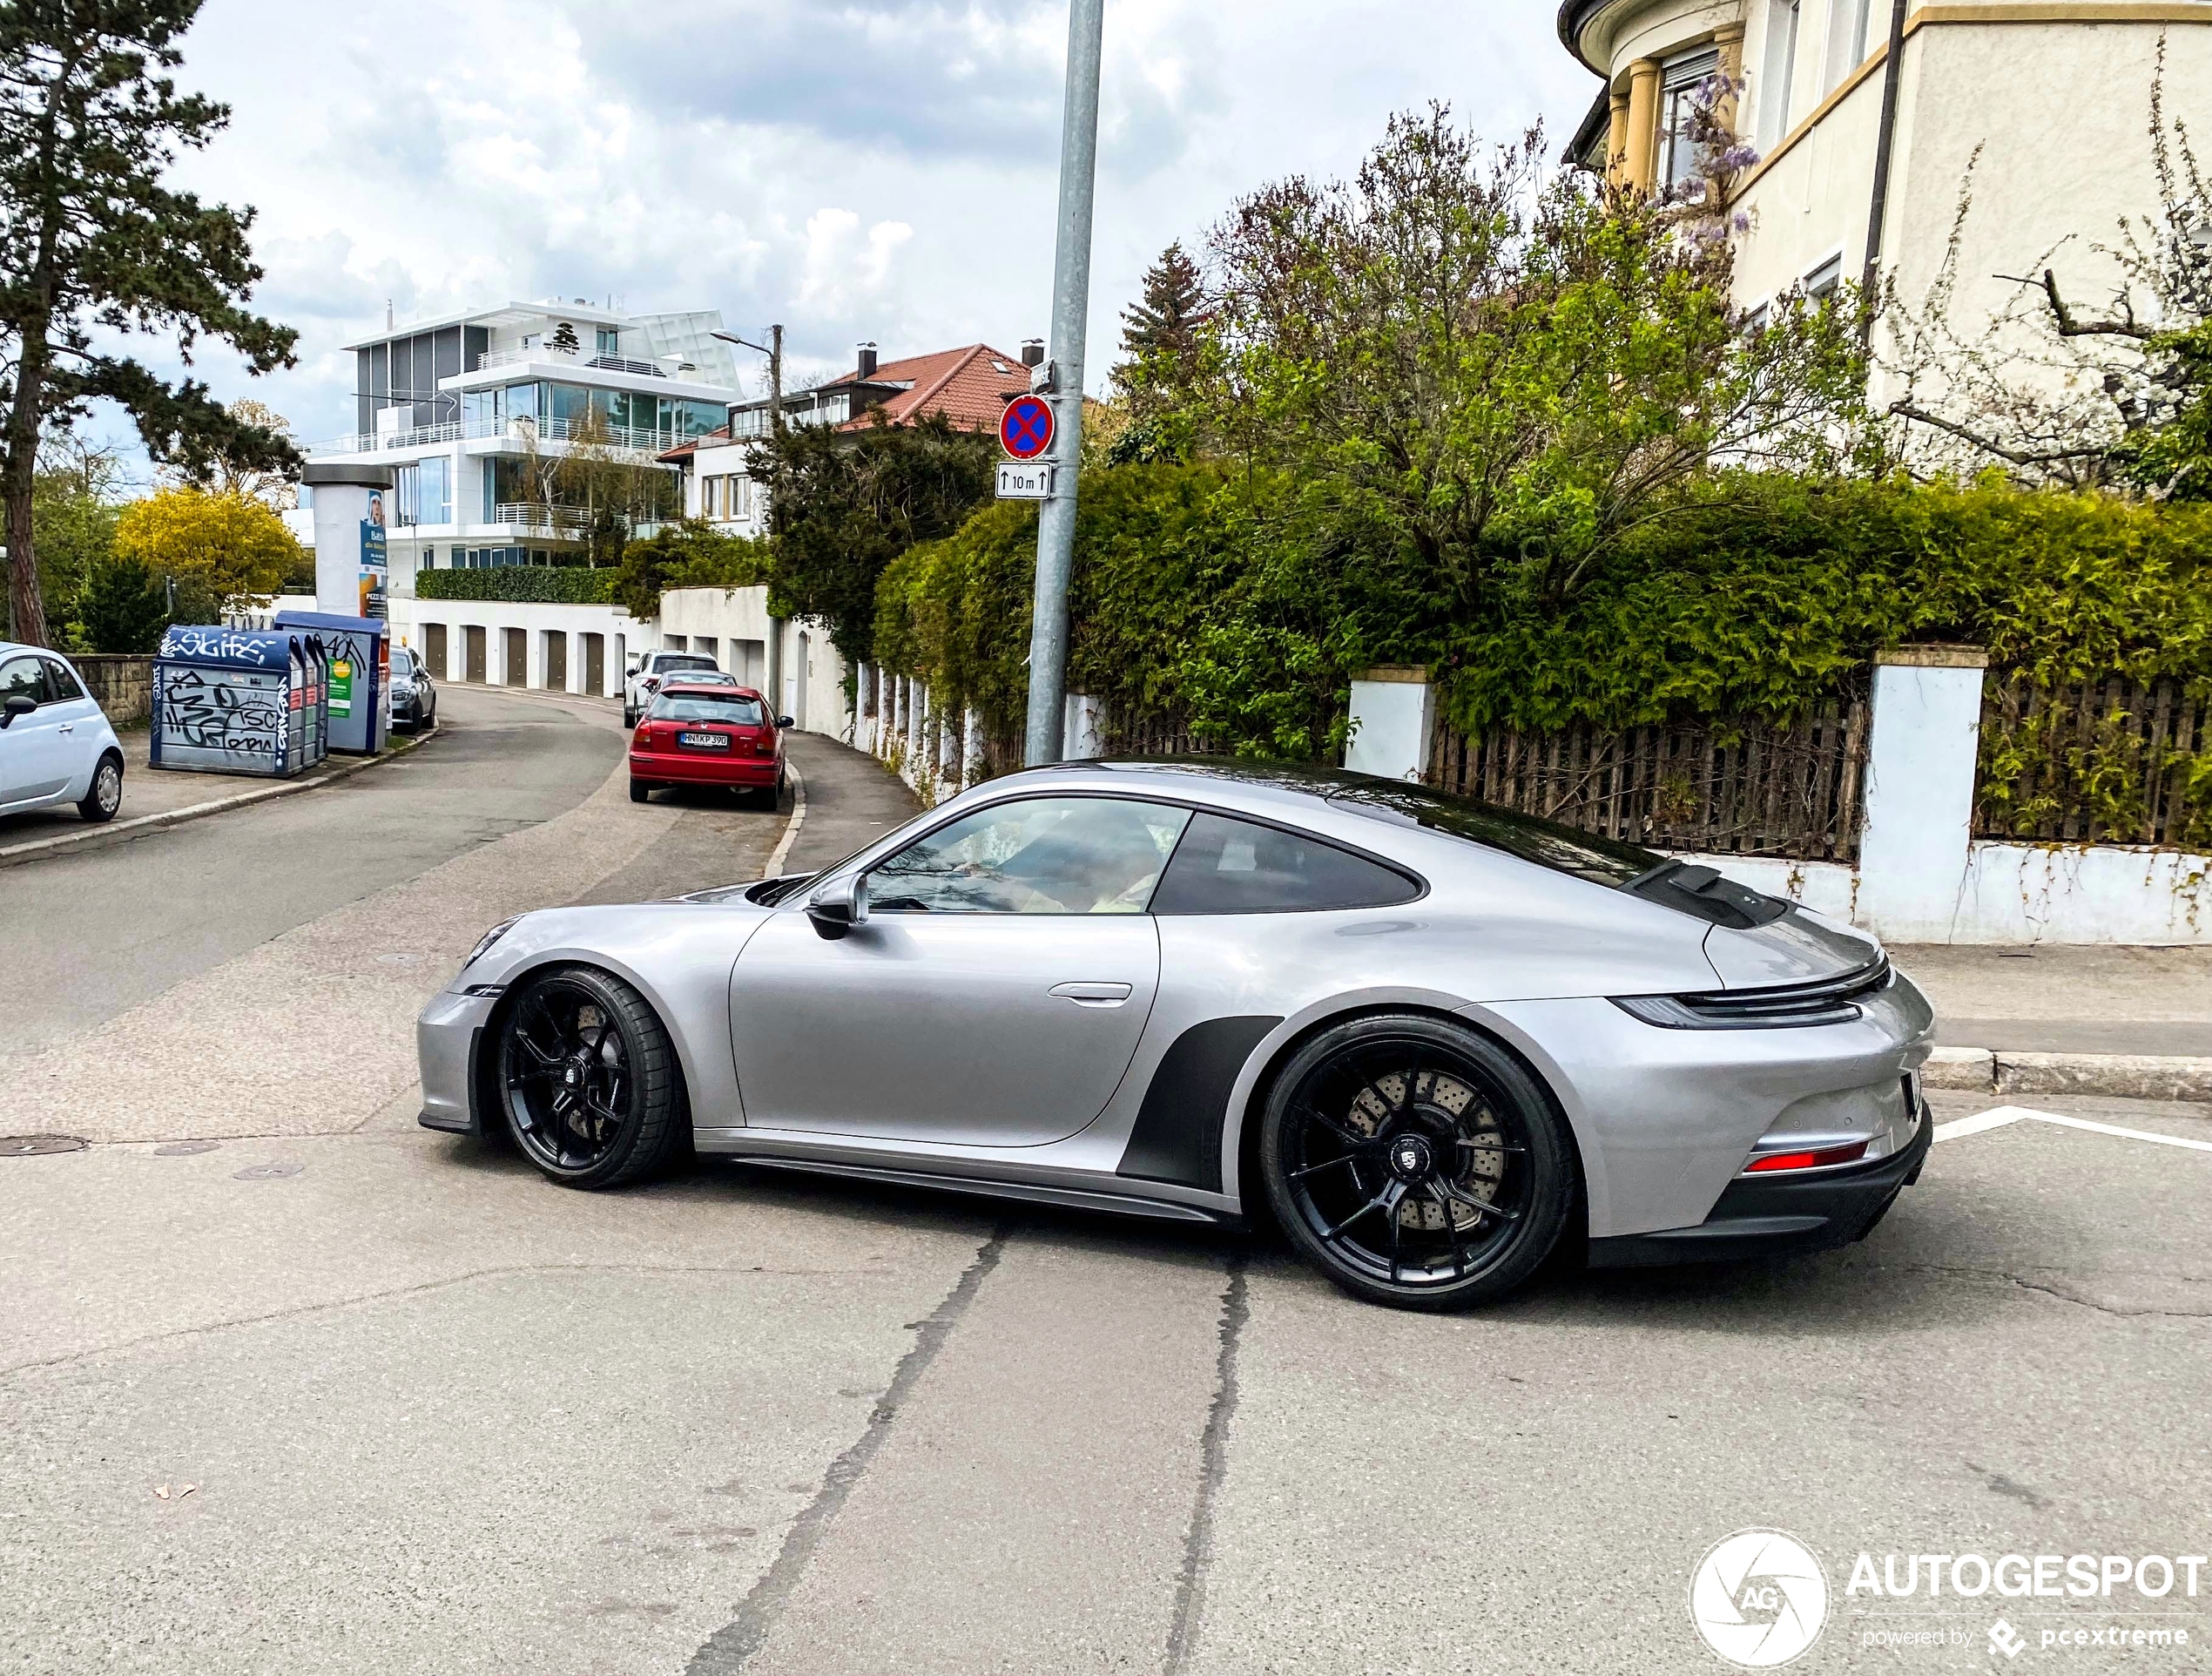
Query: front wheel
[[590, 1079], [105, 795], [1415, 1163]]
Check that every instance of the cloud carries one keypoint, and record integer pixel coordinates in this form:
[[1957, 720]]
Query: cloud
[[855, 169]]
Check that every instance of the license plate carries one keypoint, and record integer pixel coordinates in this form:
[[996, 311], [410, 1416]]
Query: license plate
[[704, 741]]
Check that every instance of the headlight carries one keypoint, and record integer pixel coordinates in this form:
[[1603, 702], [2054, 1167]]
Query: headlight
[[484, 942]]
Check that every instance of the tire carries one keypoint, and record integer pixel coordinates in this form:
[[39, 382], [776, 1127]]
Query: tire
[[628, 717], [640, 791], [589, 1080], [1354, 1144], [104, 796]]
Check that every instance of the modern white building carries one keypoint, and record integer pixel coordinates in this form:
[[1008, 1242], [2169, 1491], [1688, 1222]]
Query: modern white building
[[466, 410]]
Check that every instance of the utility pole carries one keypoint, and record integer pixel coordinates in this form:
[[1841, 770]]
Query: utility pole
[[1064, 383]]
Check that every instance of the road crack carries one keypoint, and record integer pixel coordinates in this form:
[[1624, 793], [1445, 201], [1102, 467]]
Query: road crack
[[1213, 1472], [2053, 1289], [732, 1646]]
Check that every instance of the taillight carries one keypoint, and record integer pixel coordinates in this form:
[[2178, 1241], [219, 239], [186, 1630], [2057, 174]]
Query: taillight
[[1769, 1163]]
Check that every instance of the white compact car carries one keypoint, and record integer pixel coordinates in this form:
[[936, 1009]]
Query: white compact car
[[56, 745], [645, 676]]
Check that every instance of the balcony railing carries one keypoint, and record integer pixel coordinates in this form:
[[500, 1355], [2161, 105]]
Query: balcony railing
[[542, 353], [627, 439], [550, 520]]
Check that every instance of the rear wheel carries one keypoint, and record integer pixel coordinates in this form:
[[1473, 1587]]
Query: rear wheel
[[1415, 1163], [105, 795], [640, 790], [590, 1079]]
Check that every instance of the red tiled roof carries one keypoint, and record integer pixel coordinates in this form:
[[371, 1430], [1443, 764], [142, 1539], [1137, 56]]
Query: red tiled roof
[[965, 385], [685, 451]]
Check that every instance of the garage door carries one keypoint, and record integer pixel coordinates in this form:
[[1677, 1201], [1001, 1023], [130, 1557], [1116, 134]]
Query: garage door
[[472, 638], [518, 657], [434, 650]]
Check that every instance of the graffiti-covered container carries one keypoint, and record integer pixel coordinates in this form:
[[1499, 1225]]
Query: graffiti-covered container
[[223, 700], [359, 653], [318, 695]]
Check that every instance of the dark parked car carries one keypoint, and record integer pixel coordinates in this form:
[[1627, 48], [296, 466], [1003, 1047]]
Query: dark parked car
[[413, 694]]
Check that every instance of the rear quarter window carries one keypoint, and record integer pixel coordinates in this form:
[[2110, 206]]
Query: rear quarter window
[[1227, 865]]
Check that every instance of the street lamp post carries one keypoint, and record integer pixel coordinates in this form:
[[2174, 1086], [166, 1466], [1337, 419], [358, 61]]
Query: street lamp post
[[773, 348], [1070, 316]]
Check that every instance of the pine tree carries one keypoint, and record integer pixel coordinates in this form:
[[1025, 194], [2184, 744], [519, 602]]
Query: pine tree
[[90, 122], [1165, 326]]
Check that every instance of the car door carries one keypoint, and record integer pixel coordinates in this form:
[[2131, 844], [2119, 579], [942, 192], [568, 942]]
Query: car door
[[33, 762], [77, 724], [994, 996]]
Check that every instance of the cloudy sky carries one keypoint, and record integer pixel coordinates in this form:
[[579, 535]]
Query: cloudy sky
[[882, 169]]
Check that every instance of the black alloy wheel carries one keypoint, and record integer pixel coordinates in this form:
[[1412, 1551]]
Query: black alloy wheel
[[590, 1079], [1416, 1163]]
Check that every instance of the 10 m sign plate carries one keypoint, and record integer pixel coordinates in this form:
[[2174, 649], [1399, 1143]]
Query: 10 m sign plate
[[1022, 480]]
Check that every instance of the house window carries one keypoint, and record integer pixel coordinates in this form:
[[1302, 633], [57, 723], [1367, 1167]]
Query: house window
[[1778, 67], [1847, 21], [1681, 88], [1822, 281], [610, 338]]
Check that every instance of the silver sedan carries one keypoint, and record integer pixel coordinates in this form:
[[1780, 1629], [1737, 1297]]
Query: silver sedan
[[1436, 1042]]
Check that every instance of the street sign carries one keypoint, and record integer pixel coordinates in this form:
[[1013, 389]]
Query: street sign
[[1021, 481], [1025, 429]]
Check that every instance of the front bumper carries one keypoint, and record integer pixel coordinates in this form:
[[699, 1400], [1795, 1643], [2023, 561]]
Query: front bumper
[[450, 1041], [703, 768], [1781, 1214]]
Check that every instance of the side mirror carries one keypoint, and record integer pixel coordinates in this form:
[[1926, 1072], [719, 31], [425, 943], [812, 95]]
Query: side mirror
[[18, 706], [784, 721], [838, 906]]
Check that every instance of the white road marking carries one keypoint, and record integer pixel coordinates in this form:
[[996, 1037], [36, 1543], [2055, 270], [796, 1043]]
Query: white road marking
[[1999, 1116], [790, 830]]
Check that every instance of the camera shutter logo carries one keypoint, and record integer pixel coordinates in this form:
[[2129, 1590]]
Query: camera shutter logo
[[1758, 1598]]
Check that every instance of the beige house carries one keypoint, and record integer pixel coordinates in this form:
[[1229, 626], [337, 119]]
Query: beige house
[[2047, 102]]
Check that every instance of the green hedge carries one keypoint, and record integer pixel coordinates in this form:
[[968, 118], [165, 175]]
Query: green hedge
[[523, 584], [1240, 605]]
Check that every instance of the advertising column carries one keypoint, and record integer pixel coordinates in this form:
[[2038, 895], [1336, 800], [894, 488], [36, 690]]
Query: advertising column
[[352, 505]]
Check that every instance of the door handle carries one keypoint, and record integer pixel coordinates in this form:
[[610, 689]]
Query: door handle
[[68, 727], [1093, 994]]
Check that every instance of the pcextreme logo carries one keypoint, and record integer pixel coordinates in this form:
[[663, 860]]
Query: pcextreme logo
[[1759, 1598]]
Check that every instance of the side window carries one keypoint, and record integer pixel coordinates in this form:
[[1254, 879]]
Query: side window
[[21, 678], [1040, 856], [1226, 866], [61, 682]]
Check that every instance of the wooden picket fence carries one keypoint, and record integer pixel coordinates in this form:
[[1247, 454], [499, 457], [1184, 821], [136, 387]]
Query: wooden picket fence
[[2103, 761], [1739, 787]]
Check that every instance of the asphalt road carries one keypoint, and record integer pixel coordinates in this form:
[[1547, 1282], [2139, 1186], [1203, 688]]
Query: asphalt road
[[438, 1416]]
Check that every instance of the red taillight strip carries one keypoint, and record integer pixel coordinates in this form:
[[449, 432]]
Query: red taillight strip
[[1770, 1162]]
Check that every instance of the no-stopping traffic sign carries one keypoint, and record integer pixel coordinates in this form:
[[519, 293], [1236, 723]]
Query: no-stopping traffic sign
[[1025, 429]]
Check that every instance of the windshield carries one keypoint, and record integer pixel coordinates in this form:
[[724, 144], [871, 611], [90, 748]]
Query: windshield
[[402, 665], [736, 710]]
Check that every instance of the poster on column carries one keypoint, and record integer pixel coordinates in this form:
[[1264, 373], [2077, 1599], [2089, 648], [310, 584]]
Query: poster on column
[[375, 571]]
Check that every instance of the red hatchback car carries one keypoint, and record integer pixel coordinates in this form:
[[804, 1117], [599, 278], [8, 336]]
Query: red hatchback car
[[695, 734]]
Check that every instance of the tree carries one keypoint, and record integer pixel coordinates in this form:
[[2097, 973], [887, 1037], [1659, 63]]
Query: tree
[[1161, 345], [613, 487], [692, 554], [843, 505], [227, 470], [1502, 367], [563, 340], [222, 549], [73, 513], [124, 606], [98, 246]]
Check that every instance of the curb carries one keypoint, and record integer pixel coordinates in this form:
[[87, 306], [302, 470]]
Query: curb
[[14, 854], [2125, 1076]]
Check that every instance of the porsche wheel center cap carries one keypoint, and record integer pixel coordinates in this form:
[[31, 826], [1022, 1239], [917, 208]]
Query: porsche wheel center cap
[[1410, 1158]]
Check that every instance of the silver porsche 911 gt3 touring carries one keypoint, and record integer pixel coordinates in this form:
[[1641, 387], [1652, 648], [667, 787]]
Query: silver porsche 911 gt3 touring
[[1433, 1037]]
